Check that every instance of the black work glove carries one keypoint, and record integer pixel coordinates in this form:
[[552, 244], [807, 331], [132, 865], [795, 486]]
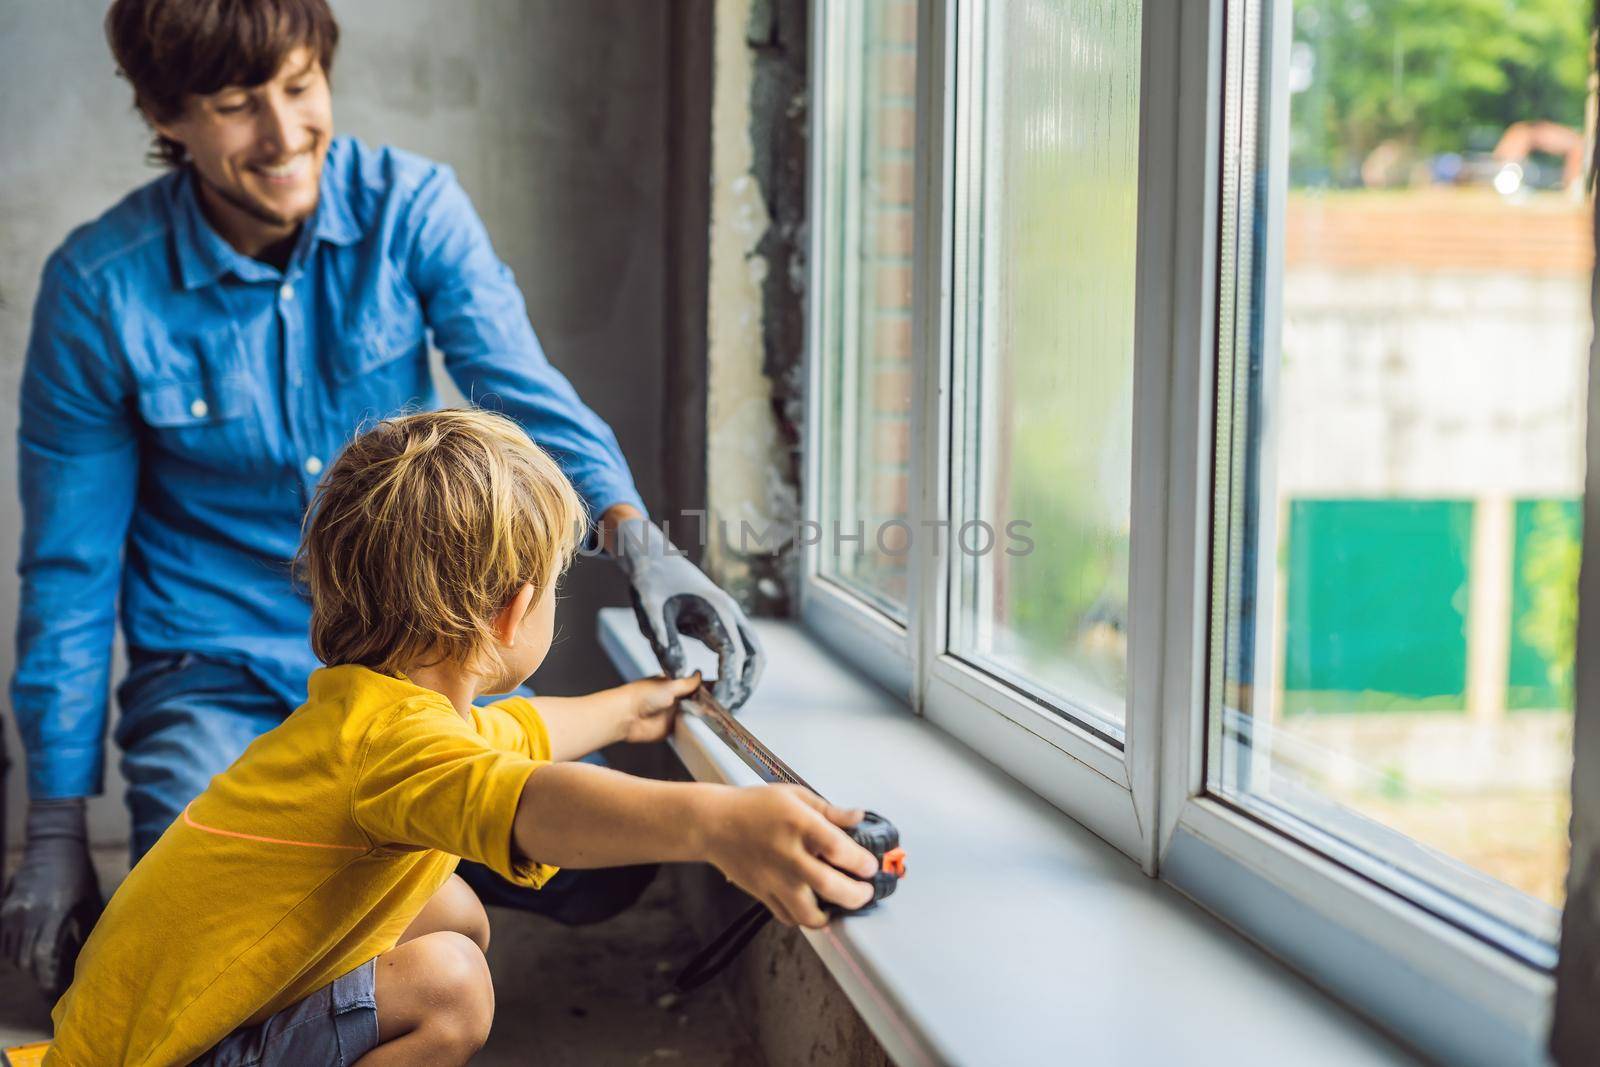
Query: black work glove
[[53, 899], [672, 598]]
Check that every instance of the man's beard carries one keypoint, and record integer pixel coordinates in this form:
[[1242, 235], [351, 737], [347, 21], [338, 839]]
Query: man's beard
[[247, 205]]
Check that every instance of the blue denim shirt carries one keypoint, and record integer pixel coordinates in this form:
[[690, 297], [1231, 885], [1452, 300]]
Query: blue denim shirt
[[180, 400]]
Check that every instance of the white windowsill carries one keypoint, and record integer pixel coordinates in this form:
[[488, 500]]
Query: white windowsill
[[1017, 936]]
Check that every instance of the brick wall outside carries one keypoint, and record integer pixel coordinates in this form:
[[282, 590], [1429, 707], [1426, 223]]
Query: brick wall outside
[[882, 397]]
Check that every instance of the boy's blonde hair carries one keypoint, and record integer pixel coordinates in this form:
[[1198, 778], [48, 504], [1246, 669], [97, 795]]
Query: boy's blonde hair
[[425, 527]]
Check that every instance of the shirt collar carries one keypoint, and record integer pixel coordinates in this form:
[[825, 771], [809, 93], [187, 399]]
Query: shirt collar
[[335, 222], [203, 255]]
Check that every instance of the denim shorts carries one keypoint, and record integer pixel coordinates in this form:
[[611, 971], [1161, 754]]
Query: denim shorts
[[336, 1025]]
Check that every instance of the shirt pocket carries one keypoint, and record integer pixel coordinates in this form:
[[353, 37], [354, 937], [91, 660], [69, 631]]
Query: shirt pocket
[[380, 337], [210, 423], [381, 366]]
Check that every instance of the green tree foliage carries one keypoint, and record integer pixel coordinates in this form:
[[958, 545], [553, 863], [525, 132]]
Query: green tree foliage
[[1433, 75], [1550, 568]]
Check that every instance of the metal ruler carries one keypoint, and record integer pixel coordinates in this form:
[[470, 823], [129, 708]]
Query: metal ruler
[[873, 833], [746, 745]]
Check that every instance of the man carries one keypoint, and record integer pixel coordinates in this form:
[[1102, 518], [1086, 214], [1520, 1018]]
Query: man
[[199, 354]]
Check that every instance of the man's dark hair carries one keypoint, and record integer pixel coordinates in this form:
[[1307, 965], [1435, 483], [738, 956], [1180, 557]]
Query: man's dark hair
[[169, 49]]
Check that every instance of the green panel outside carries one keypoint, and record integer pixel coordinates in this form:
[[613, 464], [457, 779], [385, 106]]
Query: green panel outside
[[1377, 601], [1544, 604]]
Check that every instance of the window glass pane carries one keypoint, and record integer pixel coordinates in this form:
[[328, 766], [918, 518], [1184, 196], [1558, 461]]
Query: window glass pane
[[1045, 392], [868, 408], [1401, 446]]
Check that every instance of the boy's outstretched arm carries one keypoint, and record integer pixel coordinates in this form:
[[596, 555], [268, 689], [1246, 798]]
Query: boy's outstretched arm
[[638, 711], [781, 844]]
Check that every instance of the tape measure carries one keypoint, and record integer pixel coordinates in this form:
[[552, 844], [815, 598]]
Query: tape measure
[[874, 833]]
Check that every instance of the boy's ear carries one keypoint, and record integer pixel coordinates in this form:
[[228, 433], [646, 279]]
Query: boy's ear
[[510, 618]]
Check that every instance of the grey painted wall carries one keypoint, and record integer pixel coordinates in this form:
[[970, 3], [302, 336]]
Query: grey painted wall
[[553, 113]]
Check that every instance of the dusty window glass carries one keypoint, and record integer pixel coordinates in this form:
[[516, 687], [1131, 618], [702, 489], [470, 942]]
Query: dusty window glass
[[1401, 419], [867, 408], [1044, 394]]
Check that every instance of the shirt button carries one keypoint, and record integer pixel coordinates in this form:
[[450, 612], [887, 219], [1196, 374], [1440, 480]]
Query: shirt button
[[287, 291], [199, 408], [313, 465]]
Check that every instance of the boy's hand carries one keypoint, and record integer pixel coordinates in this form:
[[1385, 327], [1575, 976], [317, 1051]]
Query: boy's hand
[[782, 845], [651, 705]]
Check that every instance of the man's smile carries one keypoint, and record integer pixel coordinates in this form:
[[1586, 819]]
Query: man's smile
[[286, 172]]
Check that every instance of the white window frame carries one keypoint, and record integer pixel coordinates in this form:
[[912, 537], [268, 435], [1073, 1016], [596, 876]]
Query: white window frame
[[1439, 987], [852, 623], [1078, 770]]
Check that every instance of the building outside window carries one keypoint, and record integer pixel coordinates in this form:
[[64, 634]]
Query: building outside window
[[1405, 595]]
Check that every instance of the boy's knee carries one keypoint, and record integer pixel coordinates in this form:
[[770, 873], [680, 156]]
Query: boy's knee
[[473, 918], [460, 990], [478, 931]]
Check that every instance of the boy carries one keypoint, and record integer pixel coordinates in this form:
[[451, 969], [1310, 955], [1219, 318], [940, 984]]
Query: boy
[[303, 908]]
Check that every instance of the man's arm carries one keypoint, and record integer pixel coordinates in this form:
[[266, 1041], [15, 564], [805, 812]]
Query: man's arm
[[610, 523], [480, 323], [78, 471]]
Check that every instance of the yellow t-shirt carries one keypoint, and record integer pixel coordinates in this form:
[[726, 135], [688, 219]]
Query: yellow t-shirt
[[303, 860]]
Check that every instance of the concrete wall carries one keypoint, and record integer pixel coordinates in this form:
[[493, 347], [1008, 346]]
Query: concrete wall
[[755, 309], [1430, 384], [552, 113]]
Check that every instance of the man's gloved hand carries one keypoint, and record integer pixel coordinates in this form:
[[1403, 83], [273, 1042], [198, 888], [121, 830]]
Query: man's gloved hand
[[53, 899], [672, 597]]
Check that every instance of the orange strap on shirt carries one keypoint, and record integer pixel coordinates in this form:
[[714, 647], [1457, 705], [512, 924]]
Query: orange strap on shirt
[[188, 820]]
